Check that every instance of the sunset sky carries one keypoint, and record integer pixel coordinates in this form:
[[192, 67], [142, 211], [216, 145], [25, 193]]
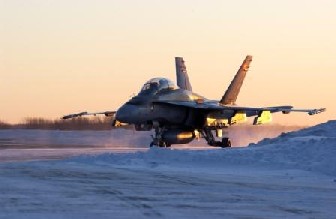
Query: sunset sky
[[64, 56]]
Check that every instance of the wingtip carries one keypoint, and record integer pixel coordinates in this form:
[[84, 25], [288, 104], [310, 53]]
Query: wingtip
[[317, 111], [74, 115]]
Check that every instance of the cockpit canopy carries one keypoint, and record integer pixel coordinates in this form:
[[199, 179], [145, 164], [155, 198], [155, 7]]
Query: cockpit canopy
[[155, 85]]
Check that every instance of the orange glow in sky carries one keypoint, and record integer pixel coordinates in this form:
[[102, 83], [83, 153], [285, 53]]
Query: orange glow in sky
[[64, 56]]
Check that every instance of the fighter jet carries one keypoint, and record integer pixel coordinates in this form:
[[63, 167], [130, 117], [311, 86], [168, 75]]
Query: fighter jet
[[178, 115]]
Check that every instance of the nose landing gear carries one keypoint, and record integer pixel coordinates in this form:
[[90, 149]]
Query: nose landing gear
[[158, 141], [161, 144]]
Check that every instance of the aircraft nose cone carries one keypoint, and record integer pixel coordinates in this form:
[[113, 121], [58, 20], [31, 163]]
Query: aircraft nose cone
[[124, 113], [120, 113]]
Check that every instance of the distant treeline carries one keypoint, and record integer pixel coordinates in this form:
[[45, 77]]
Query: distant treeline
[[4, 125], [82, 123]]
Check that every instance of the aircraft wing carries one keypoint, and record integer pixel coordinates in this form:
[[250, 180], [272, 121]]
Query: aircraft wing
[[106, 113], [250, 111], [274, 109]]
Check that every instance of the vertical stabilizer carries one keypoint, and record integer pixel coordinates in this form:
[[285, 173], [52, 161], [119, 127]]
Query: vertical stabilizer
[[182, 75], [232, 92]]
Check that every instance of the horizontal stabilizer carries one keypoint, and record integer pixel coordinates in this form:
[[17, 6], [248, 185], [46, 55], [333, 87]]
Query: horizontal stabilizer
[[232, 92]]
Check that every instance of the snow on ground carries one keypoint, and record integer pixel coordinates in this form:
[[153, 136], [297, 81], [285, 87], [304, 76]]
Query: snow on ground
[[21, 145], [240, 136], [292, 176], [311, 149], [24, 145], [110, 138]]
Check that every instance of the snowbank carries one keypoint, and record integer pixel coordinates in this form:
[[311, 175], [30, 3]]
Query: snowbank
[[311, 149]]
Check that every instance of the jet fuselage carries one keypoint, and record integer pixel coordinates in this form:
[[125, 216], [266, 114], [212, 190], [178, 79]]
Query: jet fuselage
[[145, 108]]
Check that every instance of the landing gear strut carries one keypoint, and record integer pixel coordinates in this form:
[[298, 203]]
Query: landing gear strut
[[206, 132], [157, 139]]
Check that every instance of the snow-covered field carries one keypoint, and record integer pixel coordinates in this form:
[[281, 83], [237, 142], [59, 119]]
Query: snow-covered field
[[292, 176], [20, 145]]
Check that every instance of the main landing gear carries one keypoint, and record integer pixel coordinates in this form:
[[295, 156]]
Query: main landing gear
[[226, 142], [160, 141], [206, 132]]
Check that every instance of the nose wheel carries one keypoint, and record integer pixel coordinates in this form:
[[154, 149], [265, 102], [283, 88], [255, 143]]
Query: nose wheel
[[161, 144], [157, 139]]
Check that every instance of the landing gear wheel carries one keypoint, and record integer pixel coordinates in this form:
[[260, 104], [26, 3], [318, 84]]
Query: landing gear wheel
[[158, 140], [226, 142], [155, 144], [164, 144], [161, 144]]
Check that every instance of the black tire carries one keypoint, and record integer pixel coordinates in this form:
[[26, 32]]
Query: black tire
[[160, 145], [165, 145], [226, 142]]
